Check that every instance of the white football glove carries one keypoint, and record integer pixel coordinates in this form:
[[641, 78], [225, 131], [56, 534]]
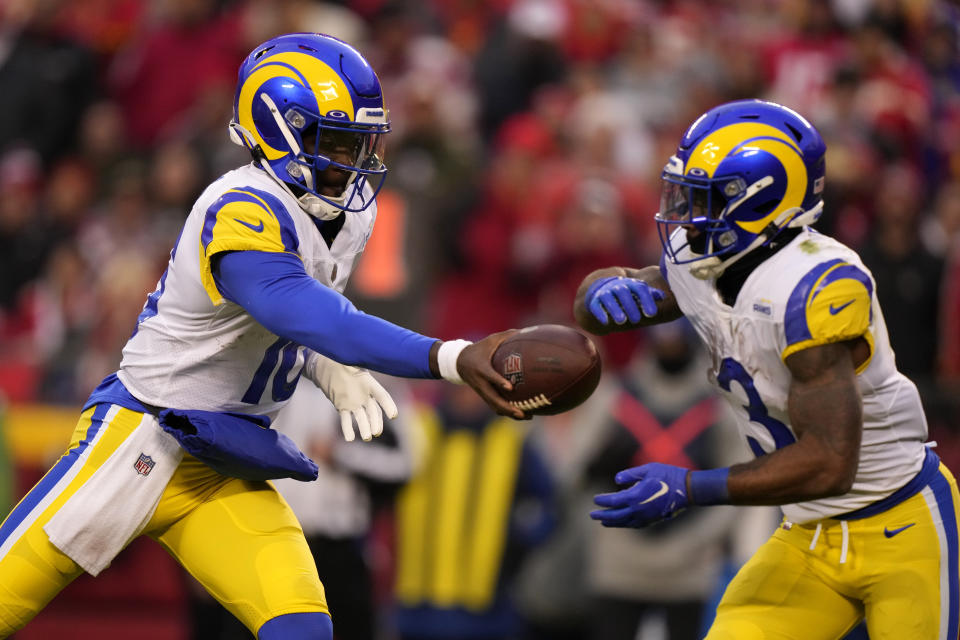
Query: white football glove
[[355, 394]]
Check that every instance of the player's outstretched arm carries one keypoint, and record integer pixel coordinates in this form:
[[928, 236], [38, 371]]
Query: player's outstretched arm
[[826, 414], [622, 298], [277, 292]]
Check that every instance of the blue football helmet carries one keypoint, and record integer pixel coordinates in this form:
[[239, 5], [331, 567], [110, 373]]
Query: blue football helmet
[[310, 109], [743, 172]]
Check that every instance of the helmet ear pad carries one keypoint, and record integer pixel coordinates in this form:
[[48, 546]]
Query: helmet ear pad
[[284, 94]]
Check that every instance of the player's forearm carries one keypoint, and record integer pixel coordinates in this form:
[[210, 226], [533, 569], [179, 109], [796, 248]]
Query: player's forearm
[[274, 289], [827, 415], [795, 473]]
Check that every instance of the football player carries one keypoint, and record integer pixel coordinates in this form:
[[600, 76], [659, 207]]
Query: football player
[[250, 301], [800, 349]]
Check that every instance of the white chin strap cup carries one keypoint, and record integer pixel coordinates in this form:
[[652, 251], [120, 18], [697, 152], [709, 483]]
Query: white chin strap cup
[[310, 203], [317, 207]]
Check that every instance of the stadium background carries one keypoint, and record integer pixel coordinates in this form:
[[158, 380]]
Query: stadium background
[[527, 144]]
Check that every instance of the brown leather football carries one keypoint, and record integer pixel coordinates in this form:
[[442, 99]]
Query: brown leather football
[[553, 368]]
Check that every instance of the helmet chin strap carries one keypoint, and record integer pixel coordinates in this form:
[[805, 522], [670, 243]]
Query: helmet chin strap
[[310, 203], [713, 267]]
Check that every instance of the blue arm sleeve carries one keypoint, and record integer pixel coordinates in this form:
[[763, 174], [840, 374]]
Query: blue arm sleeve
[[275, 289]]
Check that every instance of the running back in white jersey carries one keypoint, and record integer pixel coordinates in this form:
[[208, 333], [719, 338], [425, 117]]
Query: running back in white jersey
[[192, 349], [813, 291]]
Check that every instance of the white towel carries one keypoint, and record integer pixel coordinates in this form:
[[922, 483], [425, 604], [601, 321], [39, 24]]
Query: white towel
[[118, 500]]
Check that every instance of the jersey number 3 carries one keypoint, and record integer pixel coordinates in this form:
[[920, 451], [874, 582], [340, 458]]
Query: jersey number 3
[[285, 351], [730, 371]]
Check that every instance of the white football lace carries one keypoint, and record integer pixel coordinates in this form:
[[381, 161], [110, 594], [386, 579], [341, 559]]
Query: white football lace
[[532, 403]]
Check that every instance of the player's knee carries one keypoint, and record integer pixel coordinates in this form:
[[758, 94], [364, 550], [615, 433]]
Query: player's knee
[[735, 630], [297, 626]]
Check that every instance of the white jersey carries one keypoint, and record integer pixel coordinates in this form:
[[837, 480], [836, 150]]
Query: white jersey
[[813, 291], [192, 348]]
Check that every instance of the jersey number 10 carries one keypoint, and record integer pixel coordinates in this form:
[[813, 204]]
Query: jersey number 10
[[286, 352]]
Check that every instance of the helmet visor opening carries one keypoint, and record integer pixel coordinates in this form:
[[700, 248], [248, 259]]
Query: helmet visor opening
[[354, 148], [689, 202], [338, 158]]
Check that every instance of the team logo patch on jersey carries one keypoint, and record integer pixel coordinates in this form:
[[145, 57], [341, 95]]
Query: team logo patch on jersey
[[513, 368], [764, 307], [144, 464]]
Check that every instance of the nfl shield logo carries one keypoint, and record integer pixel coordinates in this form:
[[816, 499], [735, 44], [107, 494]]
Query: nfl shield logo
[[144, 464], [513, 368]]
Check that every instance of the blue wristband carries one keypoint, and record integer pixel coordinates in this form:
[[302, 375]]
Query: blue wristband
[[709, 487]]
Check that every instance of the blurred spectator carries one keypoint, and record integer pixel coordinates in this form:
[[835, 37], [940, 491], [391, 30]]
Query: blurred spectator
[[941, 57], [102, 144], [62, 310], [46, 80], [666, 411], [434, 158], [946, 231], [23, 237], [190, 49], [174, 180], [521, 54], [800, 55], [894, 94], [907, 275], [481, 498], [940, 230], [480, 294], [851, 158], [595, 32], [104, 26], [124, 220], [69, 198]]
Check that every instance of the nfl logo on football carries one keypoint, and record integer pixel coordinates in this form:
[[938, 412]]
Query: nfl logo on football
[[144, 464], [513, 368]]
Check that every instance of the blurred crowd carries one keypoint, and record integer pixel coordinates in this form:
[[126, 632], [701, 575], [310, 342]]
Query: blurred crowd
[[528, 139], [527, 145]]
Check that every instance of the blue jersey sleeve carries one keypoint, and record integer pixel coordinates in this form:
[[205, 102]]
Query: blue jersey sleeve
[[275, 289]]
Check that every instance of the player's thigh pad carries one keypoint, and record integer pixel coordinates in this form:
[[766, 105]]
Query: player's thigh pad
[[775, 596], [32, 570], [241, 541], [911, 582]]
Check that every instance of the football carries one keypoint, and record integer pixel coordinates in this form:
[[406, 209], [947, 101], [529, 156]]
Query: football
[[553, 368]]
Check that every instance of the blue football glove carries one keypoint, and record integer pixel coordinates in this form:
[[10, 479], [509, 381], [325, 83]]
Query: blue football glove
[[657, 492], [622, 299]]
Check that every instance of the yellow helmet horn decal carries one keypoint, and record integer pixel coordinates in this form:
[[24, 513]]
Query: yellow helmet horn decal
[[302, 69], [742, 137]]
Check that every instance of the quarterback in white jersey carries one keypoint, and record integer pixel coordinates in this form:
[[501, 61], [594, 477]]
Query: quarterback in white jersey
[[176, 445], [186, 322], [800, 350]]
